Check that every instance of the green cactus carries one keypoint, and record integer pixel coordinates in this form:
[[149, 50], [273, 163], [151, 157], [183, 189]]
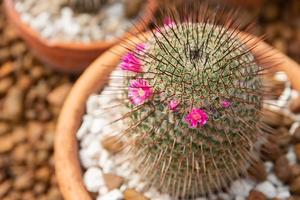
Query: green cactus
[[195, 96], [86, 5]]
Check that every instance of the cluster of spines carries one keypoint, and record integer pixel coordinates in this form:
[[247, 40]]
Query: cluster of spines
[[154, 116]]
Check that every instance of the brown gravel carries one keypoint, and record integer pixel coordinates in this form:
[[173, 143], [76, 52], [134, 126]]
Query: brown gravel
[[256, 195], [31, 96]]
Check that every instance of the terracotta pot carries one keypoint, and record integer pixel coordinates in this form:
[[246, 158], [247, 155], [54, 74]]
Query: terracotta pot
[[67, 165], [67, 56]]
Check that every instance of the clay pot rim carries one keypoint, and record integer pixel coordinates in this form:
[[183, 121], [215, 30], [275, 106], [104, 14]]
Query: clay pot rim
[[67, 164], [151, 7]]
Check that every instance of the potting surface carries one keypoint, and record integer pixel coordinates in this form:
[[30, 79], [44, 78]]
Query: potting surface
[[31, 96]]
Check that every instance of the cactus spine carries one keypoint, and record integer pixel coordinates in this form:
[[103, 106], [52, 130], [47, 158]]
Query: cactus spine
[[195, 96]]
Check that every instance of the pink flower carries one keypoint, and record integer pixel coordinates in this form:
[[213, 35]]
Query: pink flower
[[196, 117], [131, 63], [226, 104], [173, 105], [139, 91], [169, 22]]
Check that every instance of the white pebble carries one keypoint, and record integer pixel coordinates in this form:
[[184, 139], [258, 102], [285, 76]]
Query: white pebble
[[93, 179], [163, 197], [112, 195], [239, 198], [274, 180], [240, 188], [283, 195], [84, 128], [291, 156], [92, 104], [97, 125], [267, 189], [224, 196], [85, 160], [103, 158], [151, 193], [66, 12], [87, 139], [103, 190], [268, 166]]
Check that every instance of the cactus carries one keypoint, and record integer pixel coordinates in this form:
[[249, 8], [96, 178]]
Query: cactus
[[86, 5], [195, 94]]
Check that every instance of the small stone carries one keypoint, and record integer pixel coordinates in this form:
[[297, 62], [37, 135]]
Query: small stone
[[267, 189], [35, 131], [59, 94], [132, 7], [39, 188], [24, 181], [36, 72], [97, 125], [24, 82], [256, 195], [5, 188], [131, 194], [54, 194], [4, 54], [270, 151], [291, 156], [13, 105], [113, 144], [296, 135], [19, 135], [19, 153], [283, 194], [4, 128], [6, 143], [93, 179], [257, 171], [84, 128], [295, 171], [43, 174], [282, 169], [240, 187], [294, 105], [112, 195], [268, 166], [5, 85], [17, 49], [281, 137], [297, 150], [272, 118], [272, 178], [113, 181], [295, 186], [6, 69]]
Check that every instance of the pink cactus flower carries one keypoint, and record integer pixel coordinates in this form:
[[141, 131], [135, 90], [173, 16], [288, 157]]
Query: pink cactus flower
[[196, 117], [169, 22], [173, 105], [139, 91], [226, 104], [131, 63]]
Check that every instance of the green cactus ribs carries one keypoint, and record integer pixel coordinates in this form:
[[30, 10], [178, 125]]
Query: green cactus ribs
[[195, 96]]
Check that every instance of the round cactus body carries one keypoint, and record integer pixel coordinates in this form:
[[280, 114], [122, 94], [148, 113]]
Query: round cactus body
[[194, 94]]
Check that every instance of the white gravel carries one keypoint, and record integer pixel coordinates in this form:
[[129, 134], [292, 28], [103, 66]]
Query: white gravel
[[57, 22], [96, 160]]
